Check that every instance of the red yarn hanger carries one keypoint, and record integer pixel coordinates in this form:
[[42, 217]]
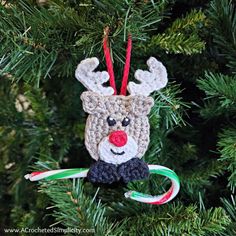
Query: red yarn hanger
[[108, 60], [127, 67], [110, 65]]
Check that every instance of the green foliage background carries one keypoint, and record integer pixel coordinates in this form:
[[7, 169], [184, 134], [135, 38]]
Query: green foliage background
[[193, 127]]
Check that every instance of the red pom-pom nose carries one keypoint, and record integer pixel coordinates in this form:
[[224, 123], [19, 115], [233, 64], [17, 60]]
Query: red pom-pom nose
[[118, 138]]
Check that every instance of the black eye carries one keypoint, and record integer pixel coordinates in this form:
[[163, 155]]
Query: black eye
[[111, 121], [126, 121]]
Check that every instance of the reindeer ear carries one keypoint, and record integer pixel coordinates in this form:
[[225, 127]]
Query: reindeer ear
[[92, 102], [141, 105]]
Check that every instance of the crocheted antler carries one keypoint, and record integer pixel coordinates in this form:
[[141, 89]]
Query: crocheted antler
[[93, 81], [150, 81]]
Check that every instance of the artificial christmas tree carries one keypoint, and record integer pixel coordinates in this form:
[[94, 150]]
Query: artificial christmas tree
[[192, 128]]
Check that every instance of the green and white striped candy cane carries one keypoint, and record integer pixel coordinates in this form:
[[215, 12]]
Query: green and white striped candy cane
[[134, 195]]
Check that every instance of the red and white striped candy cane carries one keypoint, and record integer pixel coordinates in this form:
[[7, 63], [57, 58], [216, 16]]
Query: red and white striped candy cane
[[134, 195]]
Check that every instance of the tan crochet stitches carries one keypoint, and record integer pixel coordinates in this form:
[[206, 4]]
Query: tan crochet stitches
[[118, 107], [102, 106]]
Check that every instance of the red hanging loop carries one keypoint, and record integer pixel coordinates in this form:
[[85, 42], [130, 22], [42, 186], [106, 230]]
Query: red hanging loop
[[108, 60], [123, 89], [109, 63]]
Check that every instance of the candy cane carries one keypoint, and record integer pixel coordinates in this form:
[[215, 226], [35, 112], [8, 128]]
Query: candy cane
[[160, 199], [58, 174], [134, 195]]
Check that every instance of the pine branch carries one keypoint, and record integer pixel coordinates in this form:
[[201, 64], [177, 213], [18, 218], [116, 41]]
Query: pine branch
[[193, 21], [178, 220], [219, 85], [201, 175], [223, 18], [166, 114], [230, 207], [182, 35], [212, 109], [76, 210], [43, 42], [179, 43], [168, 109], [227, 148], [220, 92]]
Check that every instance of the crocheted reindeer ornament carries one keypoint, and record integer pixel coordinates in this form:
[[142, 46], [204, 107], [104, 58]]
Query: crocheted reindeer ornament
[[117, 127]]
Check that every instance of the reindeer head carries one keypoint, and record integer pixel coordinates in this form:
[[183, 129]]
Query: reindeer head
[[117, 128]]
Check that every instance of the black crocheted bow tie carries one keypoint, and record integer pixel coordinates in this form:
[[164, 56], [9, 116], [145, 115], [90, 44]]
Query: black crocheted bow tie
[[107, 173]]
